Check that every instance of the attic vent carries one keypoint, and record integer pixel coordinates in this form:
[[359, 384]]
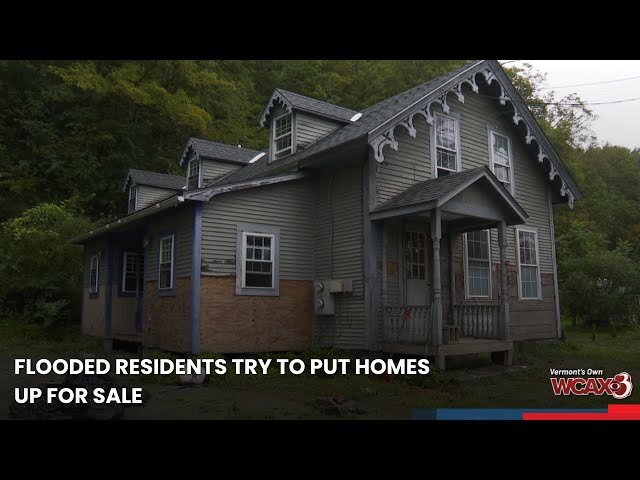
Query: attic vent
[[356, 117], [257, 157]]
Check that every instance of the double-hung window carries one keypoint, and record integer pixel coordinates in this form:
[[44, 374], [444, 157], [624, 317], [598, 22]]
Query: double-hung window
[[447, 147], [257, 269], [282, 135], [132, 269], [133, 198], [166, 263], [528, 264], [501, 163], [477, 258], [93, 274], [193, 177]]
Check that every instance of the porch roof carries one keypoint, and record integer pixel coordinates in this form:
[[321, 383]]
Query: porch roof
[[437, 192]]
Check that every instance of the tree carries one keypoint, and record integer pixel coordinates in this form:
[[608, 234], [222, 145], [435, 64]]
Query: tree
[[40, 272]]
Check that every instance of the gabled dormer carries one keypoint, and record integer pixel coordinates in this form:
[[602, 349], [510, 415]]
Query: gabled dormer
[[295, 121], [207, 162], [145, 188]]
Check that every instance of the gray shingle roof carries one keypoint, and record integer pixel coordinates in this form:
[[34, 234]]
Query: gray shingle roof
[[430, 190], [221, 151], [371, 118], [311, 105], [155, 179]]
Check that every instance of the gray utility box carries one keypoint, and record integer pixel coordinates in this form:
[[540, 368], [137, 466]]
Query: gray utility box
[[324, 292]]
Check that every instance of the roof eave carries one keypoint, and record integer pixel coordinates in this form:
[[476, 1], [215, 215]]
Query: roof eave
[[129, 219]]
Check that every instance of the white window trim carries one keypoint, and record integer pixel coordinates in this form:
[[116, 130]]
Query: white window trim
[[492, 162], [124, 270], [244, 230], [173, 260], [199, 160], [274, 139], [131, 189], [468, 296], [517, 239], [244, 258], [434, 148], [97, 274]]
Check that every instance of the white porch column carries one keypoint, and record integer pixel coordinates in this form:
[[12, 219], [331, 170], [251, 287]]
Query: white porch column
[[503, 326], [436, 306]]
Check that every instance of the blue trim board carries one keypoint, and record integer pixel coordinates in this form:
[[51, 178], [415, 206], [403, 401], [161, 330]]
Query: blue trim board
[[488, 413], [194, 299], [168, 292], [108, 288]]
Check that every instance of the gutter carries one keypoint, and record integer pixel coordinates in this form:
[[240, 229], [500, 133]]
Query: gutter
[[145, 212]]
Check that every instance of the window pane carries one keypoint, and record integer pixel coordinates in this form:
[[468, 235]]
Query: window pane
[[478, 264], [165, 276], [446, 159], [500, 149], [283, 125], [502, 173], [258, 280], [445, 132]]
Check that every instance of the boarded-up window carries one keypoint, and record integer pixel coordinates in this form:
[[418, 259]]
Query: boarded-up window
[[165, 275], [477, 264], [529, 274]]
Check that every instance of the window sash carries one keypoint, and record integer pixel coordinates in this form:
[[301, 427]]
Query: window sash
[[478, 264], [257, 258], [446, 142], [131, 272], [133, 197], [193, 178], [165, 263], [415, 255], [284, 139], [498, 162], [93, 274], [529, 265]]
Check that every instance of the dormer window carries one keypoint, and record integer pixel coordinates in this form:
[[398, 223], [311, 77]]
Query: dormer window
[[282, 135], [133, 198], [193, 176]]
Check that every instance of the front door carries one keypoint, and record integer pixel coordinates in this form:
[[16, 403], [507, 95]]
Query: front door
[[415, 268]]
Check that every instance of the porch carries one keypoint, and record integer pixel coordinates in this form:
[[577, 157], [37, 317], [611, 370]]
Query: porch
[[440, 293]]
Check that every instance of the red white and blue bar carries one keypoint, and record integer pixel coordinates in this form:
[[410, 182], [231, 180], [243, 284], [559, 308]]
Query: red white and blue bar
[[613, 412]]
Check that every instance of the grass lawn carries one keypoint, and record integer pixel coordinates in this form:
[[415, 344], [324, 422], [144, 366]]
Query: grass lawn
[[469, 382]]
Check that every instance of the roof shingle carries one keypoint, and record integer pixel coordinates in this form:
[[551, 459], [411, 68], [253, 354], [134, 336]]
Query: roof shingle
[[155, 179], [311, 105], [221, 151]]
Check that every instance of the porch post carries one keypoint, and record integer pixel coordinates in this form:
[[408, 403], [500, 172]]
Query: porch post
[[503, 327], [436, 306]]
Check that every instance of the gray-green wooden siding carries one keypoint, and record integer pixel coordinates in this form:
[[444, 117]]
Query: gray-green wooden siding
[[148, 195], [412, 163], [213, 170], [338, 235], [310, 128], [287, 206]]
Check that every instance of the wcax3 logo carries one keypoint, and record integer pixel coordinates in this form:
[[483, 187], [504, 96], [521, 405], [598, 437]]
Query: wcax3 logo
[[619, 386]]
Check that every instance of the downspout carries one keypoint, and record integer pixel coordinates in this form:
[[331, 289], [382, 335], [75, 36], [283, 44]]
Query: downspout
[[194, 299], [555, 265]]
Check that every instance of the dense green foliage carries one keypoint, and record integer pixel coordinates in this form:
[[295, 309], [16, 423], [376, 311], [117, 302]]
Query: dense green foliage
[[40, 272], [72, 129]]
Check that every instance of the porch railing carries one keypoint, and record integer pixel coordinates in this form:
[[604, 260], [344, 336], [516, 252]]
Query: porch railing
[[478, 321], [407, 324]]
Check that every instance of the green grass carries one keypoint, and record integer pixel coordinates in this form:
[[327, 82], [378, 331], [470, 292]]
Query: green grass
[[525, 385]]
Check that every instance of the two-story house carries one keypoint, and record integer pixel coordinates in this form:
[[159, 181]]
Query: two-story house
[[420, 225]]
